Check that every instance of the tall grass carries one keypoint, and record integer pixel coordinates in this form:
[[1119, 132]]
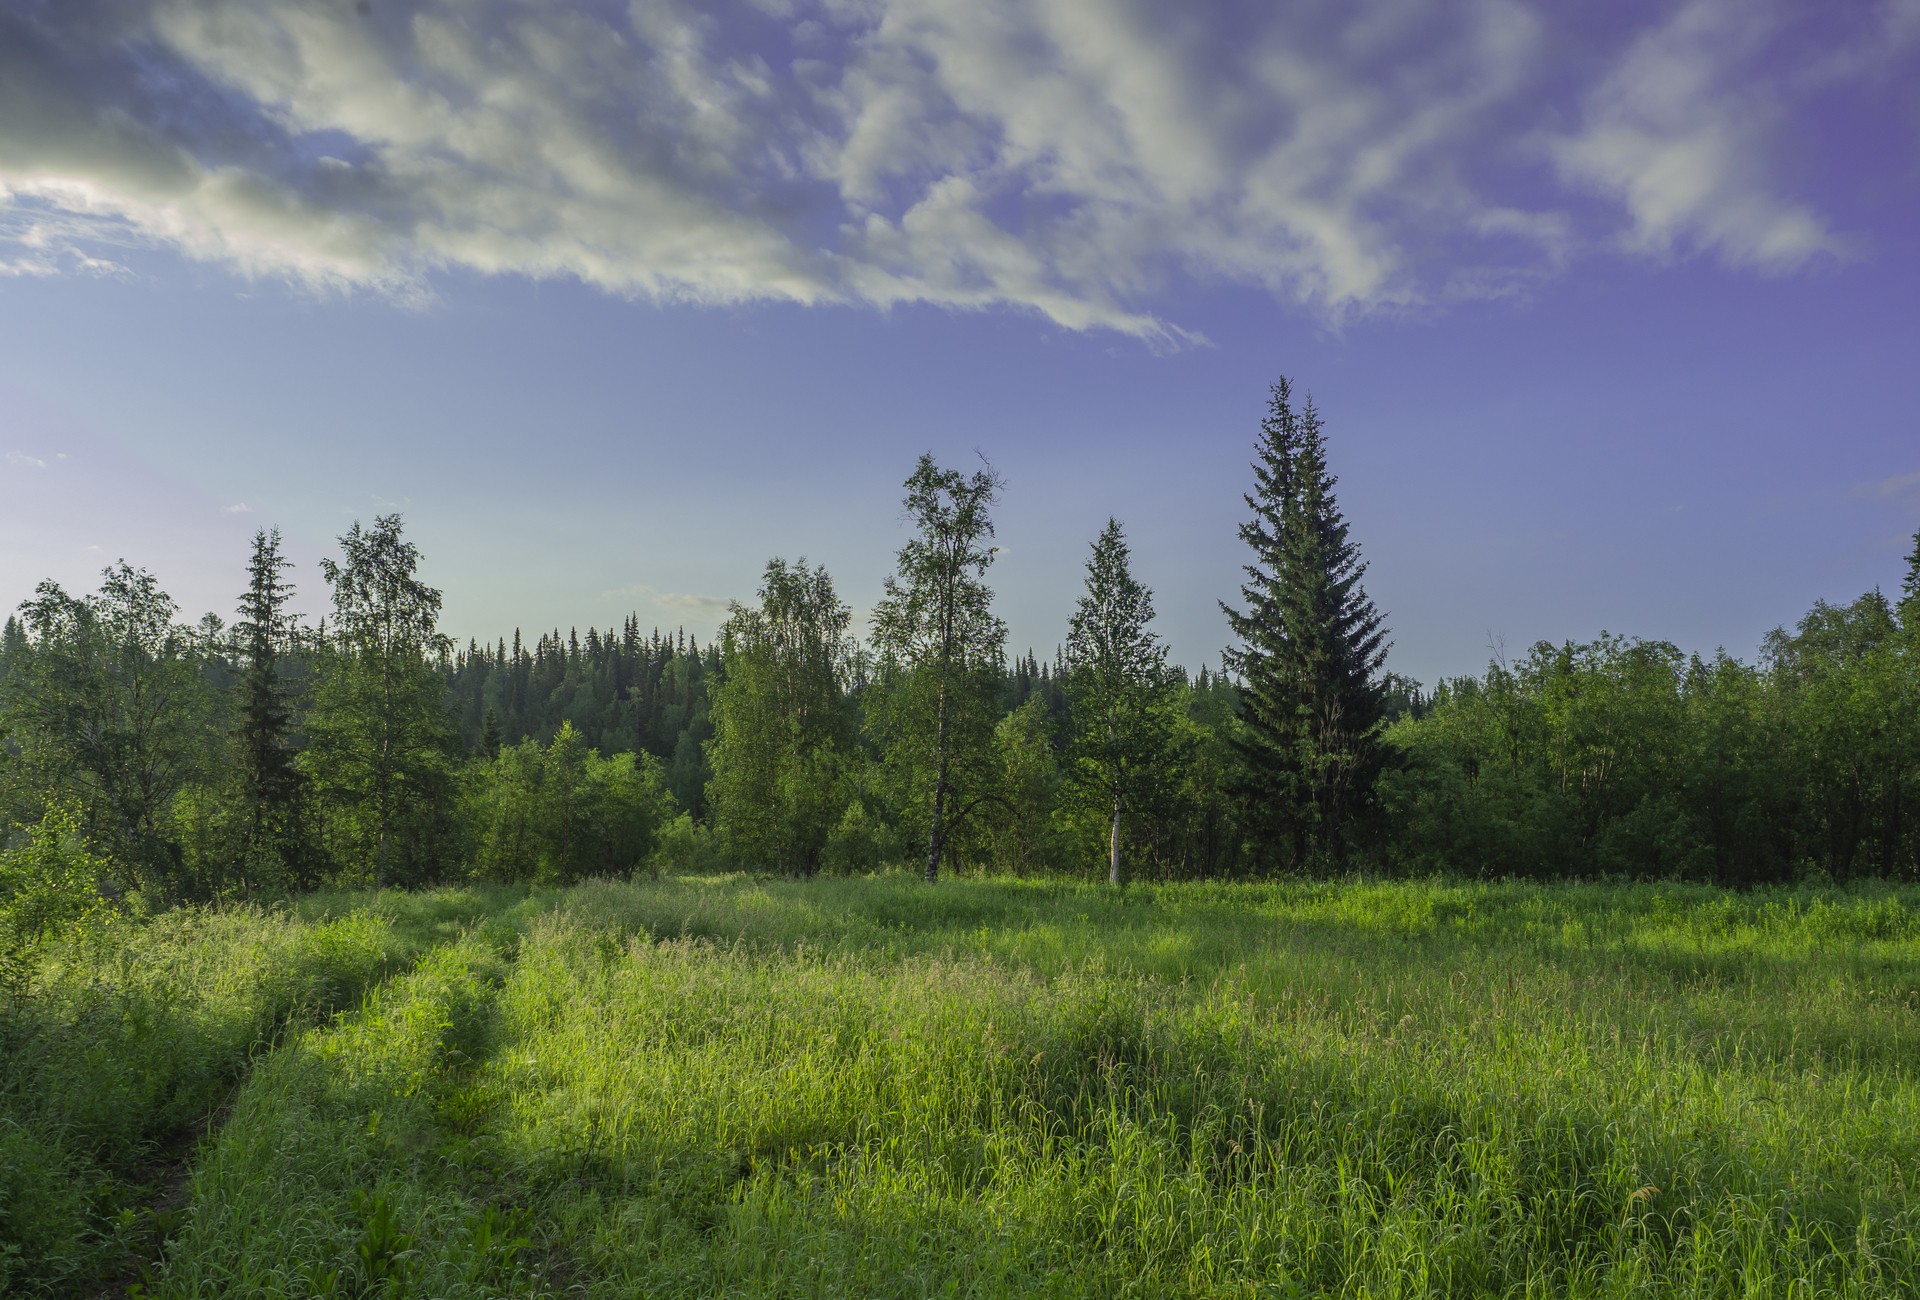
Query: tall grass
[[707, 1086], [129, 1038], [338, 1172]]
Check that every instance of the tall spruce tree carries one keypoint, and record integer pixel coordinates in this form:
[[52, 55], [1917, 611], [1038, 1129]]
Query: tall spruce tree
[[1311, 649], [270, 781], [1120, 691]]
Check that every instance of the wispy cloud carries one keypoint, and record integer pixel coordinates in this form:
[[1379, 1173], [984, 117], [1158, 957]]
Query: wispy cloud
[[237, 508], [24, 461], [1067, 157], [1899, 485], [708, 605], [1679, 132], [697, 604]]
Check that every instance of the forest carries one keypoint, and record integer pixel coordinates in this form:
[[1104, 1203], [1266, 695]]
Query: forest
[[192, 762], [337, 959]]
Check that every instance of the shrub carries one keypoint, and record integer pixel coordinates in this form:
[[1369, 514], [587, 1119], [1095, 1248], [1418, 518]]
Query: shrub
[[49, 886], [562, 813], [683, 847], [857, 844]]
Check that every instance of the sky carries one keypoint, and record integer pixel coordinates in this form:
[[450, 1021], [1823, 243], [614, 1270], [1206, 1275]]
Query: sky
[[1613, 311]]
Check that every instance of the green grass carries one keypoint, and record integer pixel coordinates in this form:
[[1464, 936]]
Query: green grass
[[131, 1038], [706, 1086]]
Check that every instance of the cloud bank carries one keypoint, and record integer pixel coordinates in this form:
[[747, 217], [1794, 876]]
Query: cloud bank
[[1070, 157]]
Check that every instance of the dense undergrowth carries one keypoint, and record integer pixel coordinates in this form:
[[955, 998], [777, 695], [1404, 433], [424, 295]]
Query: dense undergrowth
[[706, 1086]]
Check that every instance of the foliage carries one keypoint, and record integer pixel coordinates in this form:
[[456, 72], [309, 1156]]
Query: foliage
[[1847, 680], [1025, 832], [275, 835], [943, 650], [379, 740], [1615, 757], [105, 701], [1626, 757], [1311, 648], [49, 888], [622, 691], [858, 844], [560, 813], [685, 847], [1124, 699], [785, 729]]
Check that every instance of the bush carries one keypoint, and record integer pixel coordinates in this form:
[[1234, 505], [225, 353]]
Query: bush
[[857, 844], [562, 813], [49, 886], [682, 847]]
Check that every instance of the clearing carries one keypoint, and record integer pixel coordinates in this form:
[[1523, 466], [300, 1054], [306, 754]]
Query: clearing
[[710, 1085]]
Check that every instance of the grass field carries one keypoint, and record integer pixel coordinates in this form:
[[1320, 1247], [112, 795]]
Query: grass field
[[709, 1086]]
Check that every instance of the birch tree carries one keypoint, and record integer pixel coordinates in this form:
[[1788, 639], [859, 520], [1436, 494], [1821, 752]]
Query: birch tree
[[380, 732], [940, 643]]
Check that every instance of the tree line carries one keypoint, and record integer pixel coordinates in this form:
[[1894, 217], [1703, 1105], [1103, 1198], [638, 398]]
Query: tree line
[[213, 760]]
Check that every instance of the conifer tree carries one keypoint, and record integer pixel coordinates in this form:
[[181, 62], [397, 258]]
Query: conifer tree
[[1119, 685], [1910, 590], [270, 782], [1311, 646], [13, 646]]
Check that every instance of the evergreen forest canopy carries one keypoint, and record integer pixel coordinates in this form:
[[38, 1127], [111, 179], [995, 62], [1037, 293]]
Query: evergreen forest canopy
[[142, 756]]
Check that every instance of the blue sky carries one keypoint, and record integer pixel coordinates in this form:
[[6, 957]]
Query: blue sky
[[1613, 322]]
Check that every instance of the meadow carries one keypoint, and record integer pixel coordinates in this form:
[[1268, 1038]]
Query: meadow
[[730, 1085]]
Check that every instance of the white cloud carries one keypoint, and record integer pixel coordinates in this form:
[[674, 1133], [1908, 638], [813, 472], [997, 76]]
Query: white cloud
[[1137, 140], [237, 508], [707, 605], [698, 604], [1069, 157], [12, 268], [1681, 138], [24, 461]]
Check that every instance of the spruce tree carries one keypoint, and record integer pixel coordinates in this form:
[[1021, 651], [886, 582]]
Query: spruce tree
[[270, 783], [1311, 647], [1122, 694], [1910, 589], [13, 646]]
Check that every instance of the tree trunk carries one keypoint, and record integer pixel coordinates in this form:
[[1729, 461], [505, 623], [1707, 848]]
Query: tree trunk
[[936, 830], [1113, 846]]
